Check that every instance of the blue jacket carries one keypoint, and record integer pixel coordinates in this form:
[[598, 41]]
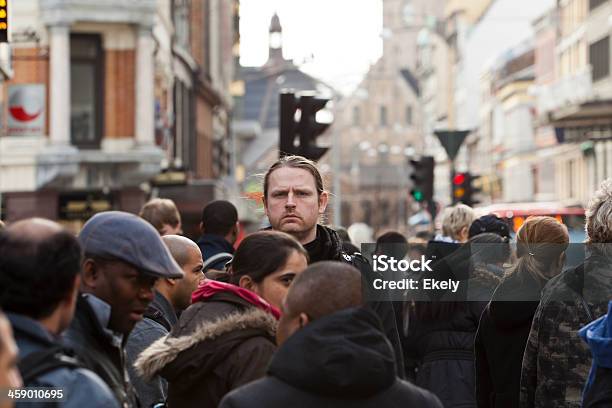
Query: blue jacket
[[211, 245], [81, 387], [598, 335]]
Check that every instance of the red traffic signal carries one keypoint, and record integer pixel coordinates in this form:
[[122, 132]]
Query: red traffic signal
[[459, 179]]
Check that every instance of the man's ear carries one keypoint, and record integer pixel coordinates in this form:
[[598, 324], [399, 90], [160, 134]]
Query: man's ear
[[323, 199], [201, 227], [170, 281], [90, 273], [304, 320]]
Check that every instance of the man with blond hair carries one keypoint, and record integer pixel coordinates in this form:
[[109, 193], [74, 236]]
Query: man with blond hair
[[456, 222], [163, 215], [556, 362]]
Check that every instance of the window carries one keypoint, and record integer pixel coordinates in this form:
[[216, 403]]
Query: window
[[184, 140], [593, 4], [86, 90], [356, 116], [383, 116], [599, 57], [409, 115], [180, 17]]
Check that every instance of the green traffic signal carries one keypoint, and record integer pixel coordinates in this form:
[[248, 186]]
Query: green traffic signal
[[417, 195]]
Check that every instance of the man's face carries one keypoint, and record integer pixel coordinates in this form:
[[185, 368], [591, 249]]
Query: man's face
[[9, 374], [127, 290], [292, 205], [191, 280]]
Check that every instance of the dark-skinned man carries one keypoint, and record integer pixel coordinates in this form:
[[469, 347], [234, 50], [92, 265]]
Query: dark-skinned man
[[332, 352], [123, 258], [171, 296]]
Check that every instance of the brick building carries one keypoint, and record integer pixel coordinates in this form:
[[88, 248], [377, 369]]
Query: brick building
[[105, 95]]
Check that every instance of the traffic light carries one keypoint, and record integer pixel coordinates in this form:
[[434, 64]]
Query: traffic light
[[422, 178], [4, 21], [464, 189], [308, 129]]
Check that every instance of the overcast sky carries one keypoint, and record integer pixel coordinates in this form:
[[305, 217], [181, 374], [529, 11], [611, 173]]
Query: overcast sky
[[338, 39]]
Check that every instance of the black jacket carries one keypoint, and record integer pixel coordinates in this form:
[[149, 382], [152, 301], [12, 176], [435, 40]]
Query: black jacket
[[211, 245], [328, 247], [218, 345], [501, 339], [341, 360], [440, 335], [96, 350]]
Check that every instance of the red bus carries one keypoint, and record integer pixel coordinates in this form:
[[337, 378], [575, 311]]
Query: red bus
[[516, 213]]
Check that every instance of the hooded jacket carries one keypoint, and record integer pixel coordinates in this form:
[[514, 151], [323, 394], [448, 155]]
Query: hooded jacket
[[327, 246], [501, 339], [222, 341], [341, 360], [598, 388]]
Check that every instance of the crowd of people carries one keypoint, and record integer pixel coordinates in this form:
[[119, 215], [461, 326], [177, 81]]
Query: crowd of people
[[130, 313]]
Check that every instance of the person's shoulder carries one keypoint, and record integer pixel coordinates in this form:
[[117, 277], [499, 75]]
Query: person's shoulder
[[564, 286], [414, 396], [81, 387], [262, 392]]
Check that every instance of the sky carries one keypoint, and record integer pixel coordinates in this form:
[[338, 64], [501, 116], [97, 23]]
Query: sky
[[334, 40]]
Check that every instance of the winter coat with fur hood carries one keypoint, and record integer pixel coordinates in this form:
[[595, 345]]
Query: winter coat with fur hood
[[221, 342]]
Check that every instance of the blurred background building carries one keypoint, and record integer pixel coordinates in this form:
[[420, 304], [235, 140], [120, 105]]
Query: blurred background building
[[111, 102]]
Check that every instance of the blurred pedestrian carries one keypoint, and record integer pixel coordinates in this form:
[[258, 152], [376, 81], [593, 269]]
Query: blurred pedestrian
[[294, 200], [163, 215], [39, 280], [347, 243], [226, 337], [219, 228], [456, 222], [598, 388], [489, 223], [171, 296], [488, 254], [9, 373], [123, 258], [323, 323], [506, 321], [556, 362]]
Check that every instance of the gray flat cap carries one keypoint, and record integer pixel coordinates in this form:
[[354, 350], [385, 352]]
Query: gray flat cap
[[128, 238]]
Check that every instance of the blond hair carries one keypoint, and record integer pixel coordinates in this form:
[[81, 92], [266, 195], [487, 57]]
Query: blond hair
[[455, 218], [159, 212]]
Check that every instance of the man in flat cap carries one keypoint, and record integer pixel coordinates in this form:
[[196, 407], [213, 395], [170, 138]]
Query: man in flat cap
[[123, 258]]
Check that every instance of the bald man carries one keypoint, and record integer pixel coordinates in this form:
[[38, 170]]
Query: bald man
[[171, 296], [39, 280], [332, 351]]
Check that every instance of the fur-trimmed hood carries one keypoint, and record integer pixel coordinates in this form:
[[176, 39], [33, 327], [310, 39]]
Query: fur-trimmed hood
[[209, 343]]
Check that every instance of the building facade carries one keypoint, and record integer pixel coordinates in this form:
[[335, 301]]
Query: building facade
[[104, 97]]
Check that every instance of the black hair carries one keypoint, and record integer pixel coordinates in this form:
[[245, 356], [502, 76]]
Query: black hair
[[218, 217], [263, 253], [392, 243], [35, 275]]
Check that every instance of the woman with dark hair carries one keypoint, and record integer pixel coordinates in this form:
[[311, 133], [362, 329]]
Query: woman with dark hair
[[505, 323], [226, 337], [440, 334]]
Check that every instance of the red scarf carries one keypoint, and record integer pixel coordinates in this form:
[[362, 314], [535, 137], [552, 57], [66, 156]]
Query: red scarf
[[210, 287]]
